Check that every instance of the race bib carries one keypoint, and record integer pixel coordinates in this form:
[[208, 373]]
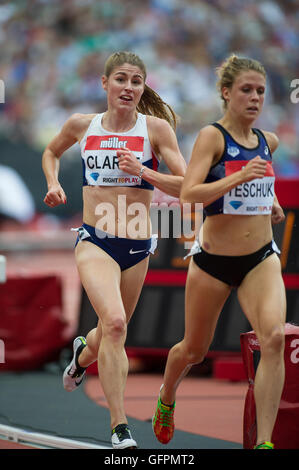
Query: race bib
[[101, 162], [253, 197]]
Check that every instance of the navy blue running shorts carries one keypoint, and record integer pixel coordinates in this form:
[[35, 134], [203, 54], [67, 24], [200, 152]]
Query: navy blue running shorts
[[125, 251]]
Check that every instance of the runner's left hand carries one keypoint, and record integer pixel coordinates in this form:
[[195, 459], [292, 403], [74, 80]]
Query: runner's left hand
[[277, 215]]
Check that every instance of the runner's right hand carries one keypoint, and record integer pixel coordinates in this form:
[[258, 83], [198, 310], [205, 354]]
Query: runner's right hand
[[255, 168], [55, 196]]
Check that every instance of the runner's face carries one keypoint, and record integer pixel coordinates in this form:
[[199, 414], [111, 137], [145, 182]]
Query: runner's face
[[246, 96], [124, 86]]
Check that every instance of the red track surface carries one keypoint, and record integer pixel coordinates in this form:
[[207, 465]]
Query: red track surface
[[210, 407]]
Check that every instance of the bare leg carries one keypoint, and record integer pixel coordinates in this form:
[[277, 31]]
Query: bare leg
[[262, 297], [105, 294], [90, 353], [113, 368], [130, 292], [204, 300]]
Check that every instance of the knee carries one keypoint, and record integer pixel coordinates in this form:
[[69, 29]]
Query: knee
[[274, 341], [194, 354], [115, 327]]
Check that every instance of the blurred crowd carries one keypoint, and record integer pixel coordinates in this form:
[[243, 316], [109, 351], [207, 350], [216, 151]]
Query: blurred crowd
[[53, 52]]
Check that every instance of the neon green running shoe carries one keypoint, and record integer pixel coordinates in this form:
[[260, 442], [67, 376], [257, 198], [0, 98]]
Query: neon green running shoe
[[163, 422], [265, 445]]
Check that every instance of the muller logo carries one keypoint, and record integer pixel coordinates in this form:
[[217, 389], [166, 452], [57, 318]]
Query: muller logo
[[109, 143], [113, 142]]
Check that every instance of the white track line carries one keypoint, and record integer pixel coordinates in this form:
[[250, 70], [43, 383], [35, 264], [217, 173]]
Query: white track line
[[45, 441]]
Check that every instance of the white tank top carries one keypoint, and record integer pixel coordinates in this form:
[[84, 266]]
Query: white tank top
[[98, 152]]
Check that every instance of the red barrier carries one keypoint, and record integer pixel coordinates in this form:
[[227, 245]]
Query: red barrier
[[286, 429], [31, 325], [287, 192]]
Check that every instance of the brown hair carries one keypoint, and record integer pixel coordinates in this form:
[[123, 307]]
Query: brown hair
[[150, 103], [232, 67]]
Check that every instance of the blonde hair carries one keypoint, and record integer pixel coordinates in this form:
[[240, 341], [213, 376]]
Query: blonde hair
[[231, 68], [150, 103]]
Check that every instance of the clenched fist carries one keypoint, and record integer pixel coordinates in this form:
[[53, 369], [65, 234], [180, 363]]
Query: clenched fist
[[55, 196]]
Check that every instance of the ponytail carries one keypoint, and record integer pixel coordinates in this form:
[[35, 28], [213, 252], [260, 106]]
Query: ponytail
[[152, 104]]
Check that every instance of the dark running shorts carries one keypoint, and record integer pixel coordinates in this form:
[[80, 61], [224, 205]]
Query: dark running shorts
[[232, 269]]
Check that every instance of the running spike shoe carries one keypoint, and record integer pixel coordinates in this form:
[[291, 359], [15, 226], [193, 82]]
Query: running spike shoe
[[74, 373], [265, 445], [121, 437], [163, 422]]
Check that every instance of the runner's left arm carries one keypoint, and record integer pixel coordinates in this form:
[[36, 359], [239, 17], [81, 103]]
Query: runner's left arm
[[277, 211]]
